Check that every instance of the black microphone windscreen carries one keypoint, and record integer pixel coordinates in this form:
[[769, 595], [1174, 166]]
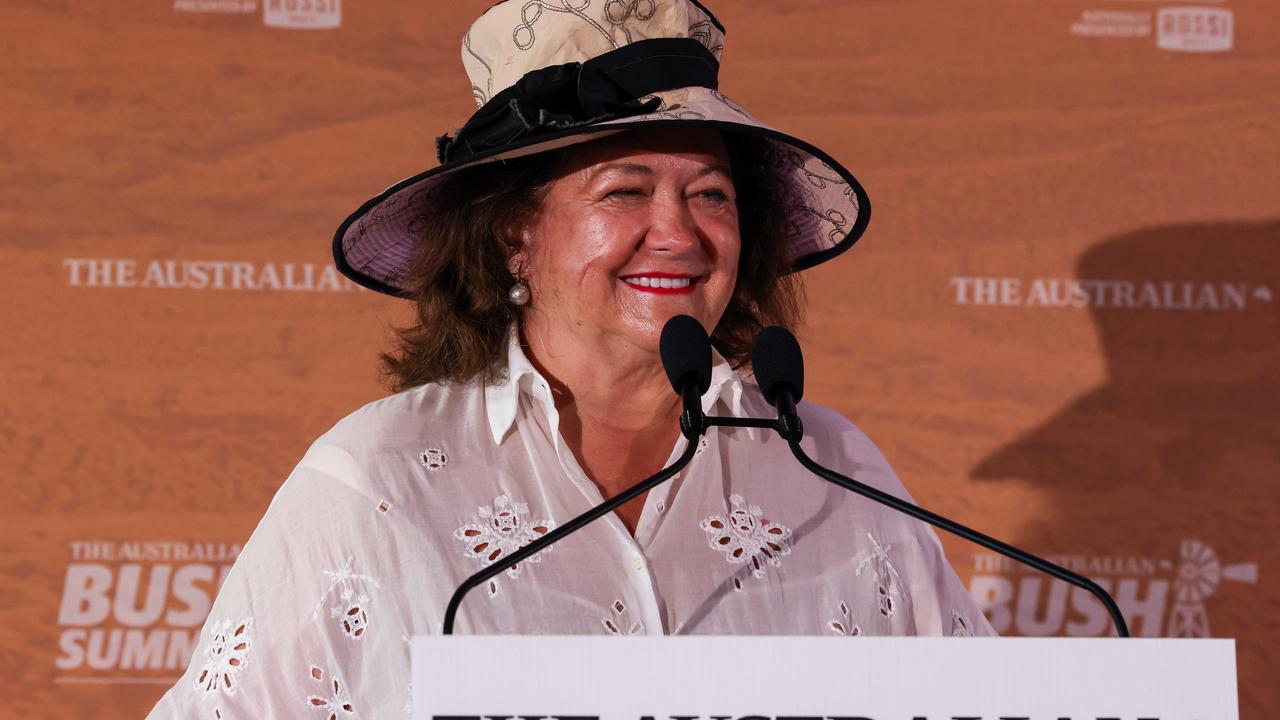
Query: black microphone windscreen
[[777, 362], [685, 350]]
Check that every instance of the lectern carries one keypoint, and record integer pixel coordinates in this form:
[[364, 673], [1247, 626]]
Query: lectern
[[494, 677]]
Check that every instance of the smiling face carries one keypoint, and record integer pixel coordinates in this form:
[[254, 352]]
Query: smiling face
[[635, 229]]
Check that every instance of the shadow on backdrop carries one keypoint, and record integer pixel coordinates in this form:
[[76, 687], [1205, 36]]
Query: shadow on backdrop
[[1164, 482]]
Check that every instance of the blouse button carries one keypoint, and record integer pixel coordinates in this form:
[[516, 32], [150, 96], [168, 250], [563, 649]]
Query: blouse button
[[637, 562]]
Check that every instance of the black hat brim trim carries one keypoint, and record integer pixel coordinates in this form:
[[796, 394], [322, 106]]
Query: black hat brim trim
[[803, 262]]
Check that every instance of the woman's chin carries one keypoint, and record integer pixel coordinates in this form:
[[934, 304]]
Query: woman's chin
[[645, 332]]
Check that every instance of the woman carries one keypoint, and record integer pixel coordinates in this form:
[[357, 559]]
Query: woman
[[628, 191]]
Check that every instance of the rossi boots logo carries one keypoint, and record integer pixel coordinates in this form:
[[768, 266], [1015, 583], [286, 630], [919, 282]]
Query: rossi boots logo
[[302, 14], [1158, 597], [1194, 29]]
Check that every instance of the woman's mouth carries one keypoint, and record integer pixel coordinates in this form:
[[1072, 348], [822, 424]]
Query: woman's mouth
[[662, 283]]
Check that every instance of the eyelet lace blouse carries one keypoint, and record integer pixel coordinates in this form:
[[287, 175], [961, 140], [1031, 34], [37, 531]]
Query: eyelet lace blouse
[[390, 510]]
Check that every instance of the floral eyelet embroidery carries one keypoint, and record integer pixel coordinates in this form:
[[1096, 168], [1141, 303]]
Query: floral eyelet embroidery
[[885, 600], [960, 625], [351, 609], [616, 622], [500, 530], [746, 536], [886, 576], [843, 626], [433, 459], [227, 653], [354, 619], [335, 701]]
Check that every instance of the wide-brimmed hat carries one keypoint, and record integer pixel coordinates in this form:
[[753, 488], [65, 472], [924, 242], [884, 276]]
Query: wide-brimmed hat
[[552, 73]]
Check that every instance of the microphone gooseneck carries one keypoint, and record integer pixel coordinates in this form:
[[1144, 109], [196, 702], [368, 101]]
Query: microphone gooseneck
[[779, 368], [686, 356]]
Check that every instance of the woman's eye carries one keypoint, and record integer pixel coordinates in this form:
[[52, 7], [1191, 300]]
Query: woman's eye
[[714, 195]]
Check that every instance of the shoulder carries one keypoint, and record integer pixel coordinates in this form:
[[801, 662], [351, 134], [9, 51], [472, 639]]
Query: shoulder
[[827, 426], [820, 422], [390, 420], [392, 433], [833, 440]]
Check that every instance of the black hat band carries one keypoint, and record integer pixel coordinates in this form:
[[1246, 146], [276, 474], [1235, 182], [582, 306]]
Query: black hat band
[[606, 87]]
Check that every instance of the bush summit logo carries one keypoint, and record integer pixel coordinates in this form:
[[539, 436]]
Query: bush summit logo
[[133, 610], [1158, 596]]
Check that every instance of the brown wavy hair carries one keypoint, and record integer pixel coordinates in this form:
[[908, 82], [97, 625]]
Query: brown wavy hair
[[459, 279]]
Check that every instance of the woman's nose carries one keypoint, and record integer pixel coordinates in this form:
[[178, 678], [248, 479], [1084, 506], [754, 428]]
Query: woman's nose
[[673, 227]]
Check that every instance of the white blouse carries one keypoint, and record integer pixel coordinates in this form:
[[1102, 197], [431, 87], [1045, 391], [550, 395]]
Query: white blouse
[[396, 505]]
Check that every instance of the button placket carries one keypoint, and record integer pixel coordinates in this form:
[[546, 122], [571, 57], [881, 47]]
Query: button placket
[[630, 554], [644, 590], [639, 575]]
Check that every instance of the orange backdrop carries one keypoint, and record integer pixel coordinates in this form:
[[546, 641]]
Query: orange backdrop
[[1061, 326]]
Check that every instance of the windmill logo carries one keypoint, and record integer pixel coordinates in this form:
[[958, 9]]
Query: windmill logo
[[1199, 573]]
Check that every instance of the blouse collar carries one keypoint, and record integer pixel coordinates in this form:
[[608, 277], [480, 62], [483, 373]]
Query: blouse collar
[[521, 377]]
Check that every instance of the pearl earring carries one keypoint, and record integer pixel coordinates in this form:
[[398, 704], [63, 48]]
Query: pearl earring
[[519, 293]]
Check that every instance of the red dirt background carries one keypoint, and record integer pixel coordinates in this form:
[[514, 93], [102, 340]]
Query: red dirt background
[[994, 140]]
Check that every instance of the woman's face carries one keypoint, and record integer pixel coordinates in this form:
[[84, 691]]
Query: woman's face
[[635, 229]]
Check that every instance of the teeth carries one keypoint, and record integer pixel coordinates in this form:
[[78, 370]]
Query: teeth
[[674, 283]]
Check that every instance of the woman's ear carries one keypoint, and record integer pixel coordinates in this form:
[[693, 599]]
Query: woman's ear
[[518, 257], [517, 261]]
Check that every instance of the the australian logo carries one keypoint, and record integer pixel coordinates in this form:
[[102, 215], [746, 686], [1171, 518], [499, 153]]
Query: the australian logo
[[1194, 29], [1042, 292], [1158, 596], [133, 610], [302, 14]]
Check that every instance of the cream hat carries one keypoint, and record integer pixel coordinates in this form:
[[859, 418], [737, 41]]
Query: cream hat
[[552, 73]]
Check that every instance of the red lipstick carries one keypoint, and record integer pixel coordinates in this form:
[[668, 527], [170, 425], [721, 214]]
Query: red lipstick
[[661, 283]]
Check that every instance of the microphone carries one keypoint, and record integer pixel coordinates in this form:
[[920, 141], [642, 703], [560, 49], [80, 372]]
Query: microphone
[[685, 350], [779, 369], [686, 356], [778, 365]]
